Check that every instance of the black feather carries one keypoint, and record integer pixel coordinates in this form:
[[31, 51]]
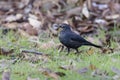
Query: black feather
[[72, 40]]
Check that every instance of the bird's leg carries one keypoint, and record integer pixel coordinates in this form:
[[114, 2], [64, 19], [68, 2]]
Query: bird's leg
[[77, 51], [68, 51]]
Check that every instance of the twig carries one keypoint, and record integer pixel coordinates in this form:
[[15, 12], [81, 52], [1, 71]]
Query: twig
[[32, 51]]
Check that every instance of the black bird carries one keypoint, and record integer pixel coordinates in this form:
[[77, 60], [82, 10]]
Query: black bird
[[72, 40]]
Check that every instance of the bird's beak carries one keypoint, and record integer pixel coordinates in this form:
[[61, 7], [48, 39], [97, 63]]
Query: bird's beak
[[60, 27]]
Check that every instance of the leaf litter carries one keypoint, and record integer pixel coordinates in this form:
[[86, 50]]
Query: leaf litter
[[31, 18]]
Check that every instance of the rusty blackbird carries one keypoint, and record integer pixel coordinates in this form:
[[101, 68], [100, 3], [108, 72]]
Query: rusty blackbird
[[72, 40]]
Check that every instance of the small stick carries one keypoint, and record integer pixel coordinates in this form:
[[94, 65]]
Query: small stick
[[32, 51]]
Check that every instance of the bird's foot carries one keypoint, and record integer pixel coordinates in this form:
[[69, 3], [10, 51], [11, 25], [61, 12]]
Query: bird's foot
[[78, 52]]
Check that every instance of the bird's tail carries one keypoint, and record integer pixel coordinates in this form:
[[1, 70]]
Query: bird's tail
[[91, 44], [96, 46]]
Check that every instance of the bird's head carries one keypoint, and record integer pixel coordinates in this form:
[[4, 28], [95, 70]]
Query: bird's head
[[60, 27], [64, 26]]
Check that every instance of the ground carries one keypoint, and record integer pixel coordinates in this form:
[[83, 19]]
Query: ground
[[90, 64]]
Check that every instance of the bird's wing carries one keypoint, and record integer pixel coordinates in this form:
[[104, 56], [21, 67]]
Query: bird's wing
[[78, 38]]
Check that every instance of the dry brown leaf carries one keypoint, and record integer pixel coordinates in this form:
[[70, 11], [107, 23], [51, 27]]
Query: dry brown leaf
[[23, 33], [47, 4], [12, 25], [35, 23], [86, 29], [90, 51], [92, 67], [60, 47], [114, 7], [89, 4], [74, 11], [28, 29], [49, 73], [5, 8], [47, 45], [112, 17], [52, 75], [100, 6], [107, 50], [4, 51], [71, 2], [12, 18], [101, 21], [85, 11], [67, 67]]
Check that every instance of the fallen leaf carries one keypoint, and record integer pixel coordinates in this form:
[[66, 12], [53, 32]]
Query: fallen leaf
[[86, 29], [100, 21], [85, 11], [34, 22], [92, 67], [12, 25], [27, 30], [102, 6], [112, 17], [107, 50], [49, 73], [19, 16], [71, 2], [47, 45], [70, 66], [5, 8], [30, 30], [60, 47], [67, 67], [90, 51], [23, 33], [12, 18], [4, 51], [74, 11]]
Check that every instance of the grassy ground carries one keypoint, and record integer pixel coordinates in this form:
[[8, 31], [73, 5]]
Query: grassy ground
[[88, 60]]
